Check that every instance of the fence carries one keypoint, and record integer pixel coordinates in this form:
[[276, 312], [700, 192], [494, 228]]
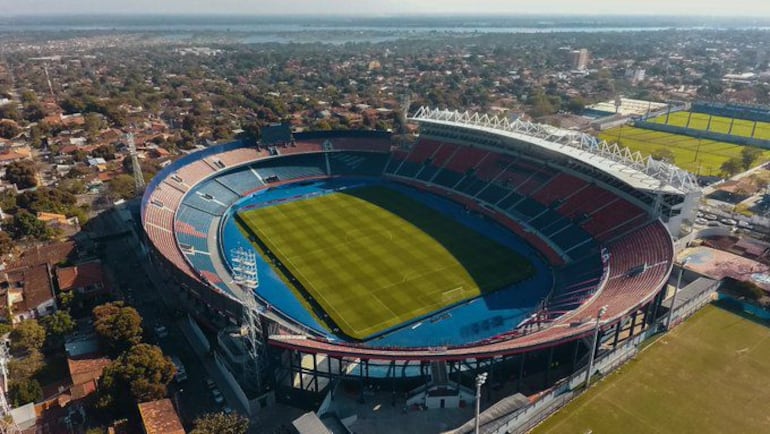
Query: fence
[[530, 416]]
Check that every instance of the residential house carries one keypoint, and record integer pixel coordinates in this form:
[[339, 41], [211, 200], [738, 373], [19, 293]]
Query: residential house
[[160, 417]]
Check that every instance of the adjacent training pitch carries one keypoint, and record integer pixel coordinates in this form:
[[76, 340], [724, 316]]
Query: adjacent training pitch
[[374, 258], [717, 124], [709, 375], [702, 157]]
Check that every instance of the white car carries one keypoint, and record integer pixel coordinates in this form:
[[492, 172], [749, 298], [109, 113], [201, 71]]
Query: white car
[[728, 222], [711, 217], [701, 221]]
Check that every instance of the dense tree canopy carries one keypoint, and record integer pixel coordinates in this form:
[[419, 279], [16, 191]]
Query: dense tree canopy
[[24, 391], [27, 336], [140, 374], [9, 129], [57, 325], [749, 155], [122, 187], [25, 225], [22, 173], [731, 167], [220, 423], [119, 326]]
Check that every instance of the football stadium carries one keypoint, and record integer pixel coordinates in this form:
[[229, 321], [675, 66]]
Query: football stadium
[[483, 244]]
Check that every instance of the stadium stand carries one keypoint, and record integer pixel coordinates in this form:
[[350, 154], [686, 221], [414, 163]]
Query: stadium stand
[[566, 212], [357, 163], [241, 181], [299, 166]]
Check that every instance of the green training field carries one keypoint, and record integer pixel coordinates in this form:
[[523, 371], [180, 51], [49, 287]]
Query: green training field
[[374, 258], [719, 124], [704, 157], [709, 375]]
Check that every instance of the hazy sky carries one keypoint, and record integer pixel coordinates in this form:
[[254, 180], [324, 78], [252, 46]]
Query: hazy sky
[[749, 8]]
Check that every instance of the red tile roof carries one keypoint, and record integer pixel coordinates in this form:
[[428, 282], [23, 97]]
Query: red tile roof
[[160, 417], [86, 369], [50, 254], [81, 276]]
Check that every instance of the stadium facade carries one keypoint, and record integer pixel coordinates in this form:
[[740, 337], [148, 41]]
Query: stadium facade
[[601, 216]]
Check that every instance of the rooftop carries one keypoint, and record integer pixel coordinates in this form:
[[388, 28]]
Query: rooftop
[[80, 276], [160, 417]]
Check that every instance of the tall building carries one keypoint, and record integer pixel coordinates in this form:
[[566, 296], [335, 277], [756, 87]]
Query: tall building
[[579, 59]]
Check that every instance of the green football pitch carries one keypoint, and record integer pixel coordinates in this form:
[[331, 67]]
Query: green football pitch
[[701, 157], [717, 124], [709, 375], [373, 258]]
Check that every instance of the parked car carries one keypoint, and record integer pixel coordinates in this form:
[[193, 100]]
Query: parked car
[[745, 225], [218, 398], [161, 331], [181, 372], [728, 222], [701, 221], [711, 217], [210, 384]]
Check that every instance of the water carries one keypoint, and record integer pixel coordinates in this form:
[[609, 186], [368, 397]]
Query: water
[[334, 32]]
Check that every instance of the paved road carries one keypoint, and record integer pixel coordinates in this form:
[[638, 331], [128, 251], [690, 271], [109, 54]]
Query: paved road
[[192, 395]]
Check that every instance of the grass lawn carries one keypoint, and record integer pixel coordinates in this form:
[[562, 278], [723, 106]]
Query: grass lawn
[[704, 157], [709, 375], [374, 258], [719, 124]]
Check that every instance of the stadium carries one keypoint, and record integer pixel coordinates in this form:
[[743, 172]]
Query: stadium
[[486, 244]]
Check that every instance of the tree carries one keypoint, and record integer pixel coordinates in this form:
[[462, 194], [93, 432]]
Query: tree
[[27, 336], [9, 129], [664, 154], [220, 423], [120, 326], [6, 243], [105, 151], [748, 156], [25, 391], [25, 367], [122, 186], [731, 167], [26, 225], [22, 173], [57, 325], [576, 105], [140, 374]]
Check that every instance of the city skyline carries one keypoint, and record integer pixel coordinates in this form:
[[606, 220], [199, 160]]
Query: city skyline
[[737, 8]]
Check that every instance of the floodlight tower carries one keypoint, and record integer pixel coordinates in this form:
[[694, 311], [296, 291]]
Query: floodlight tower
[[404, 104], [138, 176], [245, 275]]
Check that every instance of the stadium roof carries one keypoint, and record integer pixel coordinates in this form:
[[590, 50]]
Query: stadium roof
[[629, 167]]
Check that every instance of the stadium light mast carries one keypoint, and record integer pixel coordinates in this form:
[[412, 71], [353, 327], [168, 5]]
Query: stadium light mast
[[599, 316], [138, 176], [676, 291], [480, 380]]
